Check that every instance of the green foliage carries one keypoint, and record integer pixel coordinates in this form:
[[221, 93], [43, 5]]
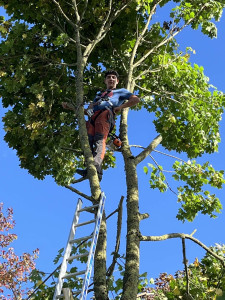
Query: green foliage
[[206, 281], [37, 73], [192, 195], [187, 112], [157, 178]]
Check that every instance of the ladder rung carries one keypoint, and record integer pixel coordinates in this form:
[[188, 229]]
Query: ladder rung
[[77, 256], [77, 292], [73, 274], [85, 238], [88, 208], [85, 223]]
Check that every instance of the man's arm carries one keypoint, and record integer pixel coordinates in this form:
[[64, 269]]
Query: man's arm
[[133, 100]]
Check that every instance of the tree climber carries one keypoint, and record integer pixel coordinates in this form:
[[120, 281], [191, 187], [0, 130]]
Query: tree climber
[[101, 113]]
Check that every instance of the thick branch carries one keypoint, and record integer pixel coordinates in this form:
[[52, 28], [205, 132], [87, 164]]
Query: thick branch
[[140, 157], [182, 236], [79, 193]]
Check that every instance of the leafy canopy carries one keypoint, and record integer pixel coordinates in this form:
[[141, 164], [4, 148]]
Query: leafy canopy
[[38, 72]]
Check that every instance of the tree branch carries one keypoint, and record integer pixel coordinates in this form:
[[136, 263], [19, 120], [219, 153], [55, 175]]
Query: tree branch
[[78, 180], [158, 69], [140, 157], [141, 35], [105, 27], [78, 152], [185, 265], [182, 236], [84, 10], [167, 183], [59, 28], [119, 226], [155, 93], [167, 39], [143, 216], [79, 193], [100, 34], [76, 11], [64, 15]]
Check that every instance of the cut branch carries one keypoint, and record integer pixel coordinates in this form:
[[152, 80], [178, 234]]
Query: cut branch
[[79, 193], [182, 236], [140, 157], [119, 226]]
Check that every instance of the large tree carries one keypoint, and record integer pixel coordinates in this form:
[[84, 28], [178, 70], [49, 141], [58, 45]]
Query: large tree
[[53, 51]]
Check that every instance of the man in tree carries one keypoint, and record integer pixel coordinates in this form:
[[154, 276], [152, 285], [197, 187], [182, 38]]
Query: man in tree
[[101, 113]]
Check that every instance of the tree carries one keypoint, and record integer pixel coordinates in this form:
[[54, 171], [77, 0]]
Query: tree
[[14, 269], [67, 46]]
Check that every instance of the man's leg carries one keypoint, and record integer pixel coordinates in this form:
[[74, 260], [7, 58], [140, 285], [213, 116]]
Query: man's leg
[[102, 127], [91, 135]]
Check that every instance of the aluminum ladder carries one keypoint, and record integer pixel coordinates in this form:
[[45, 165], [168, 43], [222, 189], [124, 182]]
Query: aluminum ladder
[[66, 258]]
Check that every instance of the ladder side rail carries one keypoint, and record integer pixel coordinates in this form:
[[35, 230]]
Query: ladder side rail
[[67, 252], [90, 261]]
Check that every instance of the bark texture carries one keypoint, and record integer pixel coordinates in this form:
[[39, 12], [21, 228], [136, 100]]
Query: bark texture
[[100, 289]]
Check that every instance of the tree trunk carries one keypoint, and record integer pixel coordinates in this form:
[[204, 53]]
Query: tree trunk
[[131, 276], [100, 254], [100, 288]]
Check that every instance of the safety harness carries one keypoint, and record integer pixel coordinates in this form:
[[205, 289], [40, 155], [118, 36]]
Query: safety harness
[[111, 119]]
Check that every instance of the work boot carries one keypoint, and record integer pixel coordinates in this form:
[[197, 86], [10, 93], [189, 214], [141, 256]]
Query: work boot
[[83, 173]]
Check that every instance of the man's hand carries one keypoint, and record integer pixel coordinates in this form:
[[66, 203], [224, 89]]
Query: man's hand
[[133, 100], [117, 110]]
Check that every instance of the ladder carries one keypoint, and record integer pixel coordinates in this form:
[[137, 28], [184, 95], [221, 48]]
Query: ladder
[[66, 258]]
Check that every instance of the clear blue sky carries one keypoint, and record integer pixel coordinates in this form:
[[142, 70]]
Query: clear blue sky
[[43, 211]]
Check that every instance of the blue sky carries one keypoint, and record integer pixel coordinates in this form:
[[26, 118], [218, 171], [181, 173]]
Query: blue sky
[[43, 211]]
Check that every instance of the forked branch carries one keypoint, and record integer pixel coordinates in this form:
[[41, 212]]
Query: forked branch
[[105, 27], [182, 236], [64, 14], [167, 39]]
